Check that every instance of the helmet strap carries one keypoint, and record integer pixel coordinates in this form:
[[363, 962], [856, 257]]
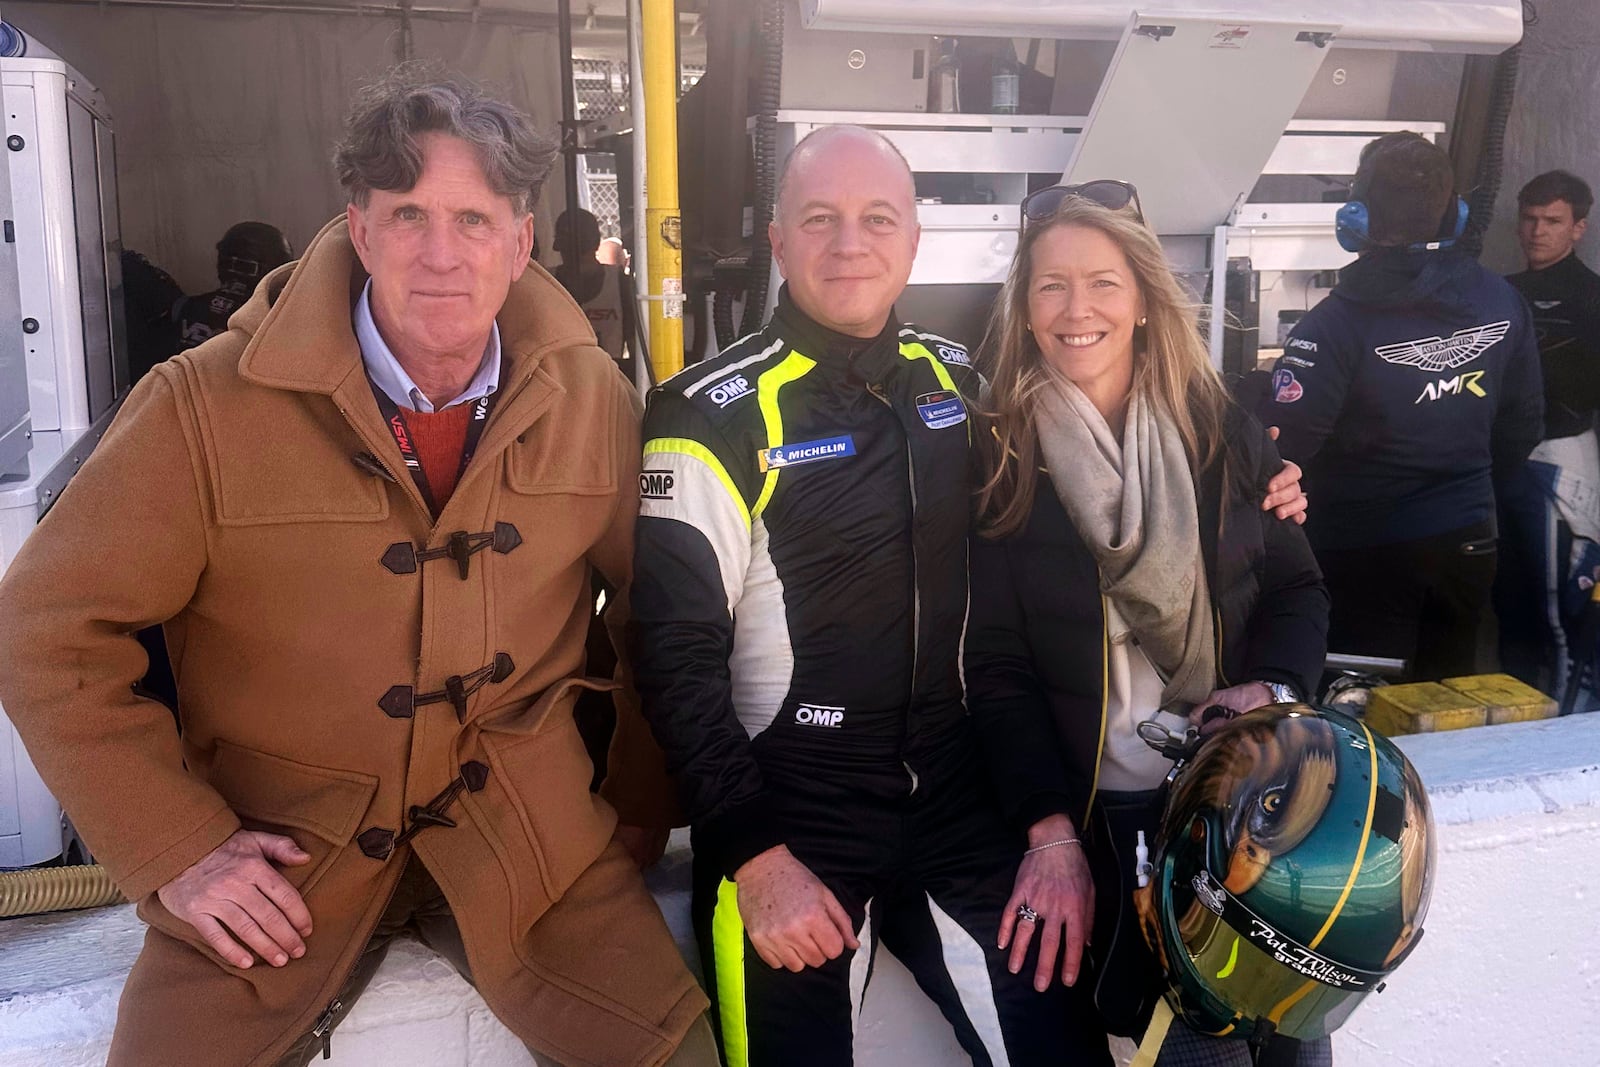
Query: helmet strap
[[1155, 1035], [1264, 1030]]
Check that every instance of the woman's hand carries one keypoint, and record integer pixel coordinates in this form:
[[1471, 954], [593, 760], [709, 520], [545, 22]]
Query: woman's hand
[[1056, 884], [1238, 699]]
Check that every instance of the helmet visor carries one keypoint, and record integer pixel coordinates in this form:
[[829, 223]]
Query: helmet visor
[[1245, 969]]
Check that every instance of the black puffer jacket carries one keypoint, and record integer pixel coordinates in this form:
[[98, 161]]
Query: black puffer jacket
[[1035, 654]]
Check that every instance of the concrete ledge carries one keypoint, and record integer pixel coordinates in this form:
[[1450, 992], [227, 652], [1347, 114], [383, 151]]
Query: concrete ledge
[[1507, 974]]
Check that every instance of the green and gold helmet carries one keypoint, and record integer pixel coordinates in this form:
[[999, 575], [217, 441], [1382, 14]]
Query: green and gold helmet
[[1291, 874]]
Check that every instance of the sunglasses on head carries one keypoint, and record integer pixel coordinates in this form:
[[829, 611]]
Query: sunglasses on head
[[1107, 192]]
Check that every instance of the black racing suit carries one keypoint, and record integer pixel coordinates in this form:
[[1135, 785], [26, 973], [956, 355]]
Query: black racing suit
[[799, 596], [1548, 517], [199, 318]]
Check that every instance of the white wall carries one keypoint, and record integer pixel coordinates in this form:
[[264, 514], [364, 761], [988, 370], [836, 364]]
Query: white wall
[[1508, 970], [223, 116]]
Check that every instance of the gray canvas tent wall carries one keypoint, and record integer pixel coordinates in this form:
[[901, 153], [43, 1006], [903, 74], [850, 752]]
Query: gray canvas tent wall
[[228, 112]]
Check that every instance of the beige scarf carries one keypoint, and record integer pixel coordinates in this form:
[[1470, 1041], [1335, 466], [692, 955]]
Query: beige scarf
[[1134, 506]]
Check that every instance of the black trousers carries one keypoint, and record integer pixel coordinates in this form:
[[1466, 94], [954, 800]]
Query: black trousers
[[925, 873], [1422, 601]]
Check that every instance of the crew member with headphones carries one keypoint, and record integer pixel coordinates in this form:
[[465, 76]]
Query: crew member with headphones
[[1403, 394]]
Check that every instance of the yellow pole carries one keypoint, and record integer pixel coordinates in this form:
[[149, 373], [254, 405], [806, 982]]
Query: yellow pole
[[663, 225]]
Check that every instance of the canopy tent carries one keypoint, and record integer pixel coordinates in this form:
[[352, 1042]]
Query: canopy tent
[[228, 111]]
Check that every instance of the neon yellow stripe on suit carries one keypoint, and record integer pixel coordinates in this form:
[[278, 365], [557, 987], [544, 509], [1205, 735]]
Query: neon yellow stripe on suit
[[794, 366], [683, 446], [727, 944], [917, 350]]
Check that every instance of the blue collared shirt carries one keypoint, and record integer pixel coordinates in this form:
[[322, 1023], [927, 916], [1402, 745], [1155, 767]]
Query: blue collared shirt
[[387, 373]]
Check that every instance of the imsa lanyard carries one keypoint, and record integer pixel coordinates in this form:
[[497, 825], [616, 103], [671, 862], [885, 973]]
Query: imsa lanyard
[[394, 418]]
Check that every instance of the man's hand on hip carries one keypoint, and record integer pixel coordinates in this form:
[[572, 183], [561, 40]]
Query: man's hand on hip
[[236, 889], [792, 919]]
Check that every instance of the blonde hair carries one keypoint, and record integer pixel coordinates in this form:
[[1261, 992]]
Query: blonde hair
[[1171, 364]]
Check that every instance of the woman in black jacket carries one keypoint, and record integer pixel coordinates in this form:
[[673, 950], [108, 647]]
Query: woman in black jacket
[[1123, 572]]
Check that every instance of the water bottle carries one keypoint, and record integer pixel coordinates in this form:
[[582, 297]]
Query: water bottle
[[1005, 85]]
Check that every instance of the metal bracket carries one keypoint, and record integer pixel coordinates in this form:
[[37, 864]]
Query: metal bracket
[[1155, 33], [1316, 37]]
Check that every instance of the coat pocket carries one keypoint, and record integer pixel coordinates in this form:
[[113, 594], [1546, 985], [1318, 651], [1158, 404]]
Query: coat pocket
[[556, 457], [318, 808], [538, 793]]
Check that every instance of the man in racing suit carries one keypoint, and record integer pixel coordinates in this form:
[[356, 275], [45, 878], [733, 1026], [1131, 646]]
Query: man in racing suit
[[248, 252], [799, 605], [1550, 505]]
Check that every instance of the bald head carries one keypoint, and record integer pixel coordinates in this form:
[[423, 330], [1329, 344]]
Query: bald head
[[830, 145], [845, 230]]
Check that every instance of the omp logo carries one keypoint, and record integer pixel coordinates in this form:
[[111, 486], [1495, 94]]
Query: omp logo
[[1434, 354], [954, 355], [1461, 383], [1301, 342], [726, 392], [655, 485], [819, 715]]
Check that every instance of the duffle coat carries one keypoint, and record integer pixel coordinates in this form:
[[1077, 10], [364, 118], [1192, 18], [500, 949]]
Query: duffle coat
[[337, 673]]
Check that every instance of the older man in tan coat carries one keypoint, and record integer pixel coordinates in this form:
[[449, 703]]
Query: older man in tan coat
[[368, 515]]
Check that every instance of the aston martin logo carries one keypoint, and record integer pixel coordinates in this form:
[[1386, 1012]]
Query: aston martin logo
[[1434, 354]]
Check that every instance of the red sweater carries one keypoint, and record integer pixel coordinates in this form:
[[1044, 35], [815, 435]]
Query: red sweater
[[439, 439]]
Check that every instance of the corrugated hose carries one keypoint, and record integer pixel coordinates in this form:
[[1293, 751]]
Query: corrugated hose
[[56, 889]]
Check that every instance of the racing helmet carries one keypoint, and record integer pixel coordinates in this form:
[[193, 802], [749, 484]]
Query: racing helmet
[[249, 250], [1291, 874]]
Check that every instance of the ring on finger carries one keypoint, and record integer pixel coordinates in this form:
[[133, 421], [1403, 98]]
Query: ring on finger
[[1027, 914]]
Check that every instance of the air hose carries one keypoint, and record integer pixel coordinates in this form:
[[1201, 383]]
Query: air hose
[[1491, 164], [766, 165], [722, 317], [56, 889]]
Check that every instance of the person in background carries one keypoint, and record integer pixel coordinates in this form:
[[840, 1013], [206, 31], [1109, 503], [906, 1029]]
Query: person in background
[[246, 254], [1404, 394], [1550, 506], [595, 286], [148, 296], [1123, 575], [612, 253]]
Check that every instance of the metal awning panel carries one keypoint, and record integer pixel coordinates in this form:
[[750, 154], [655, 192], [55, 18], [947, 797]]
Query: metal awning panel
[[1486, 26], [1192, 109]]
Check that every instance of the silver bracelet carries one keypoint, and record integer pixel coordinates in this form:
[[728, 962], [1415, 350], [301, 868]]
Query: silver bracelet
[[1051, 844]]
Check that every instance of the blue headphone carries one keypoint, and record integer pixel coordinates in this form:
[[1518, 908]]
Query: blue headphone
[[1351, 224]]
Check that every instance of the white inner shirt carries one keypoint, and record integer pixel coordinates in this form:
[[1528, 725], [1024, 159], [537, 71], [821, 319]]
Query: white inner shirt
[[1133, 693]]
